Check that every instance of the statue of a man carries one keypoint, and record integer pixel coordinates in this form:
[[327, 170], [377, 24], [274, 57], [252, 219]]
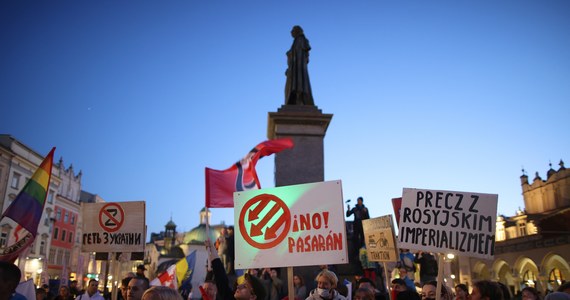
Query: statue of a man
[[297, 86]]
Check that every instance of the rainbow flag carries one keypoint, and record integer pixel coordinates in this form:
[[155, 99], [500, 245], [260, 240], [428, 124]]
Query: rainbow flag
[[25, 212]]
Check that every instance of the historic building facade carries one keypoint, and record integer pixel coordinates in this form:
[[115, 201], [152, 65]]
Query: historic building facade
[[532, 248]]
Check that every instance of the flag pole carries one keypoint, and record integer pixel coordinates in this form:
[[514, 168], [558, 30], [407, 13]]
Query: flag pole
[[209, 265]]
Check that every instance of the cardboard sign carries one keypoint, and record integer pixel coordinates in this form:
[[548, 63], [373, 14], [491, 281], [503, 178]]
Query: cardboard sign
[[380, 239], [445, 221], [297, 225], [113, 227]]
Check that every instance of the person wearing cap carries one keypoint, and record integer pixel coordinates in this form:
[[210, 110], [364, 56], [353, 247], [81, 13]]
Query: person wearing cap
[[250, 288], [140, 271]]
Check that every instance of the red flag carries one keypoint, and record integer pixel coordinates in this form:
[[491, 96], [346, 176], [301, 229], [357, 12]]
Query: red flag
[[221, 185]]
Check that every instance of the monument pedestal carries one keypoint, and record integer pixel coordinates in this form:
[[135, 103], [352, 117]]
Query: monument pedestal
[[307, 126]]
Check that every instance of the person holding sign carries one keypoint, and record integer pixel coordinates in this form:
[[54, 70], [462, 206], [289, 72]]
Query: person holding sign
[[360, 213]]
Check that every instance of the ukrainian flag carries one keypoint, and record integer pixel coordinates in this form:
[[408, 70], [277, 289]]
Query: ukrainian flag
[[185, 269]]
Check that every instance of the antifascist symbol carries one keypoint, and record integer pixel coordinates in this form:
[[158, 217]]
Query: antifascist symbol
[[111, 217], [264, 221]]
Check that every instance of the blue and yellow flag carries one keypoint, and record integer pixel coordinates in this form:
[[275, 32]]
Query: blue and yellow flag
[[185, 269]]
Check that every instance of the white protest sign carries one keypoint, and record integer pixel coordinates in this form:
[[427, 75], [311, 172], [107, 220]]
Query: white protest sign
[[462, 223], [113, 227], [380, 239], [295, 225]]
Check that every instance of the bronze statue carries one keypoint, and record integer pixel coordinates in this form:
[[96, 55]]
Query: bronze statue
[[297, 86]]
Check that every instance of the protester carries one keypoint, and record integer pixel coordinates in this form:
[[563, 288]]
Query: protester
[[161, 293], [222, 246], [49, 294], [9, 278], [429, 291], [91, 293], [428, 266], [137, 287], [230, 256], [363, 294], [73, 289], [461, 292], [210, 288], [360, 213], [250, 289], [124, 288], [366, 283], [565, 287], [557, 296], [64, 293], [273, 285], [403, 272], [300, 288], [140, 271], [398, 286], [368, 267], [530, 293], [40, 294], [407, 262], [326, 284], [408, 295], [486, 290]]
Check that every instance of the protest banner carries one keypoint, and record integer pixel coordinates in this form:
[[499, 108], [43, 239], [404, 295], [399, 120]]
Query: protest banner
[[297, 225], [462, 223], [380, 239], [113, 227]]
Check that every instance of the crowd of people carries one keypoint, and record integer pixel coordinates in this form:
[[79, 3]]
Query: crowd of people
[[222, 282]]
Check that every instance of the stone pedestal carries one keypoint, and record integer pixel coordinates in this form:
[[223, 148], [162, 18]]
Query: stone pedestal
[[307, 126]]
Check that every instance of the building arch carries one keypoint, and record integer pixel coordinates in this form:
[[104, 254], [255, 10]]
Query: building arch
[[555, 269], [527, 270], [481, 271], [504, 273]]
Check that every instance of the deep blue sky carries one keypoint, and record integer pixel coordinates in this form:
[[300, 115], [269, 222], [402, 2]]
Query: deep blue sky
[[142, 95]]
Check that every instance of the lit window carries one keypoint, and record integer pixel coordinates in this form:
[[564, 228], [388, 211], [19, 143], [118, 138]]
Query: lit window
[[15, 180]]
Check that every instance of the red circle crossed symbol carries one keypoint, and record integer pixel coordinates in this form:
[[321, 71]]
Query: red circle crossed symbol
[[264, 223], [111, 217]]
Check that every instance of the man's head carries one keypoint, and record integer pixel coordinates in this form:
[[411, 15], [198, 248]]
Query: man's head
[[125, 286], [399, 285], [92, 287], [366, 283], [230, 230], [137, 286], [250, 289], [64, 291], [41, 294], [359, 201], [73, 284], [403, 272], [9, 278], [140, 270], [211, 290]]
